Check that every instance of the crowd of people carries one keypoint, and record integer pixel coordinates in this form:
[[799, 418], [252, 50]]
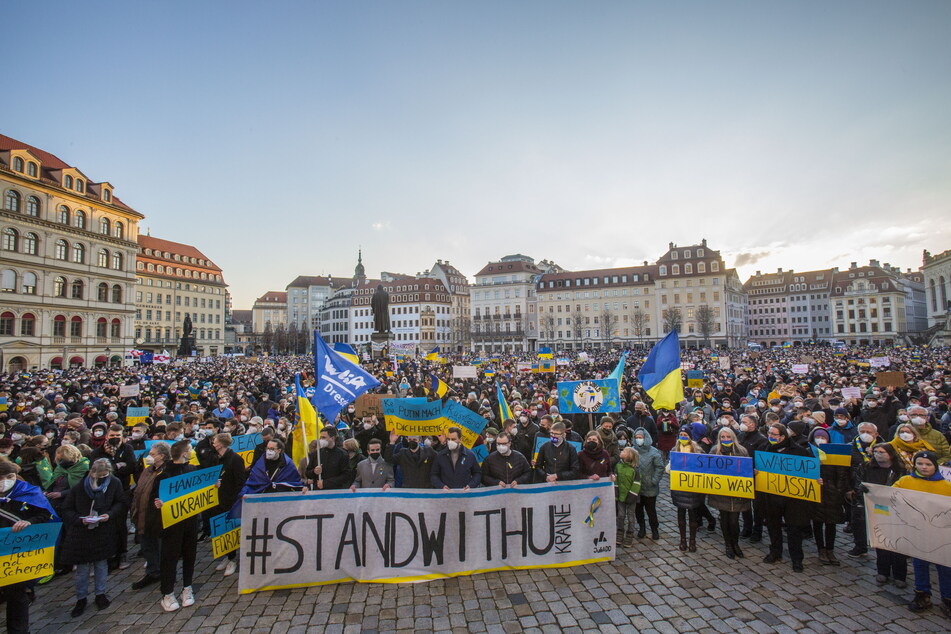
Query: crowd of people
[[69, 454]]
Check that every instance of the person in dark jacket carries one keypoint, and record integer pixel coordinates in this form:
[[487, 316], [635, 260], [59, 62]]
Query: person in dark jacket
[[91, 510], [642, 418], [796, 513], [523, 435], [124, 467], [414, 459], [593, 460], [688, 503], [881, 410], [885, 468], [729, 506], [557, 460], [230, 482], [650, 467], [505, 467], [456, 467], [328, 467], [267, 434], [752, 440], [368, 429], [836, 482]]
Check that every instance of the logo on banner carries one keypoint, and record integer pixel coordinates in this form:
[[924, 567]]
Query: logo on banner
[[588, 397]]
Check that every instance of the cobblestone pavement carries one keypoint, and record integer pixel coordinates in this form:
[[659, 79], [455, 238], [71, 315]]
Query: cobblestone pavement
[[651, 587]]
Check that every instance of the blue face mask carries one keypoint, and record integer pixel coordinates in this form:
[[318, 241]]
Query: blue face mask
[[556, 440]]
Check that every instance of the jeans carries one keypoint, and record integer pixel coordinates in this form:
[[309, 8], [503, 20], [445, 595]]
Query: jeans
[[151, 548], [101, 573], [923, 577], [626, 518]]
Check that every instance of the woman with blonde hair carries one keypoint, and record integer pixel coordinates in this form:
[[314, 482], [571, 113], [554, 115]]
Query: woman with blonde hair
[[730, 506], [907, 442], [688, 503], [628, 486]]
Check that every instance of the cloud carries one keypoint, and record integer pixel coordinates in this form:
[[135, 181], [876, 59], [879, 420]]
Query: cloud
[[380, 226], [750, 258]]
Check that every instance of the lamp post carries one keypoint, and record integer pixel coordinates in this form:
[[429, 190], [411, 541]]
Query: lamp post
[[108, 352]]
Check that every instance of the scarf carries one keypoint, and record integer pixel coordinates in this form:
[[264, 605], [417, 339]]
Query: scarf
[[911, 447], [96, 493], [73, 474], [933, 477]]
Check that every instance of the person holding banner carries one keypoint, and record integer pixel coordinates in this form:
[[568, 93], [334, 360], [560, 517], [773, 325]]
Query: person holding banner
[[885, 468], [925, 476], [92, 509], [329, 466], [595, 462], [688, 503], [751, 439], [557, 460], [230, 482], [415, 460], [21, 505], [796, 513], [456, 466], [836, 482], [729, 506], [505, 467]]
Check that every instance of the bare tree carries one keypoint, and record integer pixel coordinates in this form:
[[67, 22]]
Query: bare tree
[[608, 321], [705, 320], [577, 325], [638, 321], [548, 327], [673, 319], [267, 339]]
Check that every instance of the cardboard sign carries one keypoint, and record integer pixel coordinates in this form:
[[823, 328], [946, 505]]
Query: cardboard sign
[[464, 372], [890, 379], [370, 405], [128, 391]]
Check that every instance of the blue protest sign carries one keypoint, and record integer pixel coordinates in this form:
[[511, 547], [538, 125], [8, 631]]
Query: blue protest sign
[[245, 442], [784, 464], [712, 464], [481, 452], [171, 488], [588, 397]]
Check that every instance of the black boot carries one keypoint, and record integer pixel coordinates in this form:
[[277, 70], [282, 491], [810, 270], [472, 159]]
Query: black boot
[[736, 548], [81, 607], [641, 532], [693, 538], [921, 602], [682, 526]]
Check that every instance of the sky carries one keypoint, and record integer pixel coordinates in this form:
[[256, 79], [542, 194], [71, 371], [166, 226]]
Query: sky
[[280, 137]]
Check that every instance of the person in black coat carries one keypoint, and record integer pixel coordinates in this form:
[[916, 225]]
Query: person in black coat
[[505, 467], [333, 469], [414, 459], [642, 418], [230, 482], [752, 440], [523, 435], [885, 468], [557, 460], [369, 429], [91, 509], [797, 513], [124, 467], [836, 482], [456, 467]]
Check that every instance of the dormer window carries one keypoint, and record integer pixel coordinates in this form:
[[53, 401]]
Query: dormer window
[[32, 169], [699, 253], [106, 195], [674, 255], [80, 185], [18, 164], [663, 269], [687, 254], [68, 181]]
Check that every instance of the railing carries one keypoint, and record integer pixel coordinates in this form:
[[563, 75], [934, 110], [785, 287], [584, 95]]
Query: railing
[[76, 340], [59, 339]]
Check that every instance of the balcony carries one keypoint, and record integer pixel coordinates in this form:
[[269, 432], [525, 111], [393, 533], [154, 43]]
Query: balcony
[[59, 339]]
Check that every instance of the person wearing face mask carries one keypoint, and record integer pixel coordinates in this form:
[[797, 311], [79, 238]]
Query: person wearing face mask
[[138, 436], [21, 505], [223, 411], [148, 534], [884, 468], [122, 458], [267, 435], [274, 472], [627, 490], [907, 442], [881, 409], [369, 428], [329, 466], [414, 459], [456, 466], [919, 417], [796, 513], [373, 472], [837, 481], [729, 506], [230, 482], [843, 430], [642, 418], [651, 470], [925, 476], [557, 460], [668, 426], [523, 433], [92, 510], [862, 448], [607, 440], [688, 503], [505, 467], [594, 461]]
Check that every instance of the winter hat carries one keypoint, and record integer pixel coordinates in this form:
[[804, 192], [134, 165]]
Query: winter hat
[[841, 411], [800, 428], [820, 433], [698, 431]]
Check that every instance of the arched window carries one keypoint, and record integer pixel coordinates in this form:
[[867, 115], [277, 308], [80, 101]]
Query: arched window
[[62, 215], [115, 328], [59, 326], [8, 281], [701, 267], [160, 268], [11, 240], [32, 169], [101, 326], [76, 326], [18, 164], [62, 248], [675, 269], [77, 289], [29, 284], [116, 294], [11, 202], [118, 230], [33, 206], [117, 261], [104, 226], [102, 259], [80, 220], [102, 293], [79, 253], [68, 181], [6, 323], [932, 288], [59, 287], [80, 185], [688, 268], [27, 325]]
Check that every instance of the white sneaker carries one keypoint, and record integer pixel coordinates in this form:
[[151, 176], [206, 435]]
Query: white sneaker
[[221, 564], [188, 597], [231, 567], [169, 603]]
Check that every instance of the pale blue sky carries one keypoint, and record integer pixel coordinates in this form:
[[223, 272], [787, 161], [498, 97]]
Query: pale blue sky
[[278, 136]]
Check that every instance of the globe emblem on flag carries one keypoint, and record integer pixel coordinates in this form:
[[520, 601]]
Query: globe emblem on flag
[[588, 397]]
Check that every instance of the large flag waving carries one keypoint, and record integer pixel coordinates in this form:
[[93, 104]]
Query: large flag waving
[[306, 431], [339, 382], [660, 374], [346, 351], [505, 412], [618, 372]]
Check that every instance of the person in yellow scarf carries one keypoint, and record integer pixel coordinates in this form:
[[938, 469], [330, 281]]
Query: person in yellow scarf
[[907, 442]]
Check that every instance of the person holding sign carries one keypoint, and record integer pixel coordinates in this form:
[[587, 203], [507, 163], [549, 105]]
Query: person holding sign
[[729, 506], [885, 468], [230, 481], [21, 505], [688, 503], [149, 535], [414, 458], [91, 510], [836, 481], [456, 467]]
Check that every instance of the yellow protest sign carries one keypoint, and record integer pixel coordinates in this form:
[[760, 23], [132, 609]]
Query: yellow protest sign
[[712, 483], [224, 544], [789, 486], [27, 554]]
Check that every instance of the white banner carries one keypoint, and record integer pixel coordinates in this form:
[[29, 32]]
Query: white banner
[[128, 391], [879, 362], [912, 523], [800, 368], [464, 372], [411, 535]]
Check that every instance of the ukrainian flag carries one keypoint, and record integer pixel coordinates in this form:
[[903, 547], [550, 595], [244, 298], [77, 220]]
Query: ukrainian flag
[[546, 366], [838, 455], [306, 430], [660, 374], [437, 386], [505, 412], [490, 373], [545, 353], [618, 372], [433, 355], [346, 351]]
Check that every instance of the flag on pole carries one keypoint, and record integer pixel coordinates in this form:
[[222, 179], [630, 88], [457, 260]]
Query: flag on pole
[[337, 381], [346, 351], [306, 430], [545, 353], [161, 358], [660, 374], [618, 372], [505, 412], [433, 354], [437, 386]]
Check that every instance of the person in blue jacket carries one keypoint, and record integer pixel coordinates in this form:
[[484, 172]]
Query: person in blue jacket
[[456, 467]]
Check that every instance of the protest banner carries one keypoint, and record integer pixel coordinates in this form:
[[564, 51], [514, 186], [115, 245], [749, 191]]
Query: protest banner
[[27, 554], [481, 452], [588, 397], [725, 363], [562, 361], [541, 440], [523, 367], [188, 494], [370, 405], [851, 392], [945, 472], [912, 523], [413, 416], [879, 362], [583, 356], [890, 379], [468, 422], [791, 476], [135, 415], [710, 473], [225, 534], [244, 445], [835, 454], [800, 368], [128, 391], [400, 536], [464, 372], [694, 378]]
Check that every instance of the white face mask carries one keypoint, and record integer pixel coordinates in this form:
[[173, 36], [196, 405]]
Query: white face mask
[[903, 417], [323, 443], [866, 437], [368, 426], [453, 445], [918, 421], [504, 449], [821, 441], [907, 436], [6, 484], [622, 442], [137, 435], [639, 441], [149, 461], [271, 454]]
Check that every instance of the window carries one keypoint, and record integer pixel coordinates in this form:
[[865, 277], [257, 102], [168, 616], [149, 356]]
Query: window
[[27, 325], [32, 169], [117, 261], [18, 164], [68, 181], [675, 269], [77, 289], [8, 281], [116, 294], [33, 206], [79, 253], [29, 284], [103, 258], [117, 230], [105, 227], [102, 293], [11, 202], [10, 239], [663, 269], [101, 326], [115, 328], [714, 266], [701, 267], [80, 185], [59, 287], [80, 219], [6, 324], [106, 195], [62, 248], [688, 268], [76, 327]]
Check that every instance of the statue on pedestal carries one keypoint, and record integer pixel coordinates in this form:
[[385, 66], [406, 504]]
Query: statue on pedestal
[[380, 303]]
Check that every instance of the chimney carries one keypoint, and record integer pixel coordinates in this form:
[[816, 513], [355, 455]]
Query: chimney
[[758, 274], [670, 245], [645, 262], [853, 265], [703, 242], [874, 263], [779, 270]]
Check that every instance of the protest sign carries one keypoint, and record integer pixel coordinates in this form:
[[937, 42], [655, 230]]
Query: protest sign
[[370, 405], [851, 392], [523, 367], [725, 363], [710, 473], [945, 473], [413, 416], [225, 534], [469, 423], [890, 379], [481, 452], [912, 523], [791, 476], [464, 372], [188, 494], [879, 362], [244, 446], [800, 368], [136, 415], [128, 391], [541, 440], [694, 378], [400, 536], [588, 397], [27, 554]]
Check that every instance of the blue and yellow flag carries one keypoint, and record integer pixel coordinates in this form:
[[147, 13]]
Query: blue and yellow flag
[[835, 454], [660, 374], [618, 372], [505, 412], [433, 354], [346, 351], [545, 353], [306, 429], [436, 385], [547, 365]]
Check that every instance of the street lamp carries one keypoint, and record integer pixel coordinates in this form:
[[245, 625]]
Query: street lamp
[[108, 352]]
